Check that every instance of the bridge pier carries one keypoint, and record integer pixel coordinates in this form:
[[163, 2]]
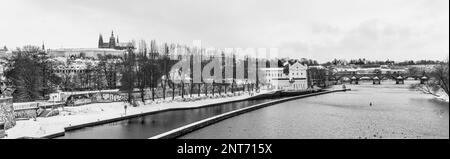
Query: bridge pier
[[399, 80], [354, 80], [423, 80], [376, 80]]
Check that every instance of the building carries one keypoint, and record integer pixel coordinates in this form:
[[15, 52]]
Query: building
[[292, 75], [114, 43], [113, 47], [75, 67], [86, 52], [85, 75]]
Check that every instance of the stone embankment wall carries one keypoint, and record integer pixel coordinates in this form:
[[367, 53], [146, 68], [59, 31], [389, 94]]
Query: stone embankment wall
[[26, 113], [7, 112]]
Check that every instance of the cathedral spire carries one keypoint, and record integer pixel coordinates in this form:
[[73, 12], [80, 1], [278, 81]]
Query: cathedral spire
[[100, 41], [112, 40]]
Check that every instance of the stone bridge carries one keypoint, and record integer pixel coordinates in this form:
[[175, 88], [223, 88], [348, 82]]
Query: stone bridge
[[355, 77]]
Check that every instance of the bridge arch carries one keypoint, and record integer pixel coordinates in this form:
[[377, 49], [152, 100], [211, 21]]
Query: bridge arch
[[355, 77]]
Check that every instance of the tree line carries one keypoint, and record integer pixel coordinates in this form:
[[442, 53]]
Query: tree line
[[377, 63], [29, 73], [147, 70]]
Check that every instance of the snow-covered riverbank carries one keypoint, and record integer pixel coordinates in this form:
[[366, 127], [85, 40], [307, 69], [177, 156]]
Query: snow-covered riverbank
[[442, 96], [70, 116]]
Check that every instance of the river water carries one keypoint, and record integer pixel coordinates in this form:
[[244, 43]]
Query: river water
[[396, 112], [153, 124]]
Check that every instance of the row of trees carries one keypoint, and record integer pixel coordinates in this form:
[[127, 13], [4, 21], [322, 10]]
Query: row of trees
[[149, 70], [363, 61], [420, 62], [145, 70]]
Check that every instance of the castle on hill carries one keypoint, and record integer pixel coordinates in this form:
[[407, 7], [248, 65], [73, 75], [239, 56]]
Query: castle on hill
[[114, 43]]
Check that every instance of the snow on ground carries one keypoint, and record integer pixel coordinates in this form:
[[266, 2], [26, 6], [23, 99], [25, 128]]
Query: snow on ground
[[442, 96], [70, 116]]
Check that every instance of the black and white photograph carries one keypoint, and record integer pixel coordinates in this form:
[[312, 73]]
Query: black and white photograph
[[224, 69]]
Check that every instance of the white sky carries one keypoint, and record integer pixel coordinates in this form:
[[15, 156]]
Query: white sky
[[317, 29]]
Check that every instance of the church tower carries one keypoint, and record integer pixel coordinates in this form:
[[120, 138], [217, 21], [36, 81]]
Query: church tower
[[112, 40], [100, 41]]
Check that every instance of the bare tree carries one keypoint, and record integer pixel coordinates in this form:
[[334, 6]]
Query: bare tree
[[29, 72], [440, 76], [129, 74], [143, 69], [439, 80]]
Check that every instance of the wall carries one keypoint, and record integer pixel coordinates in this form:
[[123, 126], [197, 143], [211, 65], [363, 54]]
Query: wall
[[7, 112], [298, 84], [104, 97], [25, 113]]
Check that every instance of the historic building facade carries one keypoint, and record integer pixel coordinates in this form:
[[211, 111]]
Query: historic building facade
[[113, 47], [290, 76], [86, 52], [86, 74]]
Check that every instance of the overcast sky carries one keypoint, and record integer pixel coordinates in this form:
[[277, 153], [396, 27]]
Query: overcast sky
[[317, 29]]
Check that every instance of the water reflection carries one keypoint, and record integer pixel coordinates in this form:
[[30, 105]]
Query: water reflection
[[154, 124]]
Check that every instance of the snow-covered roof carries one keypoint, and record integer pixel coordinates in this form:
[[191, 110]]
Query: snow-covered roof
[[272, 69]]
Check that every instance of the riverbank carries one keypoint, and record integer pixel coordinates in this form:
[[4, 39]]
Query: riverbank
[[442, 96], [91, 113]]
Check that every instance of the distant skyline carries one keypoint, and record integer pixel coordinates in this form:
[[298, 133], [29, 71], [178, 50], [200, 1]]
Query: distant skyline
[[317, 29]]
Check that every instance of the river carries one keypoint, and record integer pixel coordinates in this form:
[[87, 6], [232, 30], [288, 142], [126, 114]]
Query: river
[[153, 124], [396, 112]]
